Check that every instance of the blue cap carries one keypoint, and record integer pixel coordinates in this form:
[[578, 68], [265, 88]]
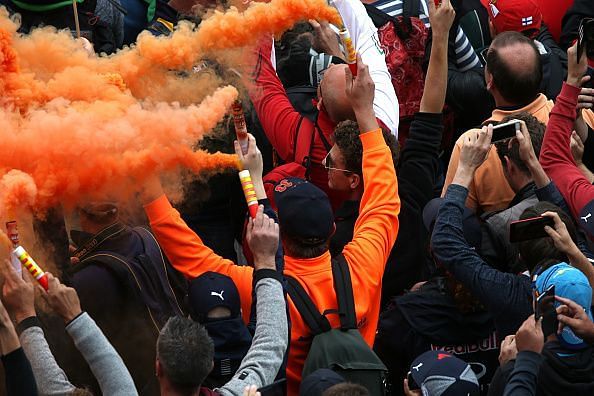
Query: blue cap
[[572, 284], [304, 210]]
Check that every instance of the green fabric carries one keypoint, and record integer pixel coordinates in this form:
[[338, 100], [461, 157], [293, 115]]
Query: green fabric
[[150, 11], [471, 25], [44, 7], [347, 353]]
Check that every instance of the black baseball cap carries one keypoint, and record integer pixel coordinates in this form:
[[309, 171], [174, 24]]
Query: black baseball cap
[[319, 381], [211, 290], [471, 225], [438, 373], [304, 210]]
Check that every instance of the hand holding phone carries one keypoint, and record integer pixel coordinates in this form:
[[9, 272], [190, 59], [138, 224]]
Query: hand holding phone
[[532, 228], [544, 307], [506, 130]]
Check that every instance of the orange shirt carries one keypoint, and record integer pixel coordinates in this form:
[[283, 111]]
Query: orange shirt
[[489, 189], [374, 235]]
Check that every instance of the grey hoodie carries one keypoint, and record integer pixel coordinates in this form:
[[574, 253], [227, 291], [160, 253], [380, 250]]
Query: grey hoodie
[[105, 363]]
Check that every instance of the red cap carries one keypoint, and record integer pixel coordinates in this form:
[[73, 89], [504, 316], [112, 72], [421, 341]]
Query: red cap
[[513, 15]]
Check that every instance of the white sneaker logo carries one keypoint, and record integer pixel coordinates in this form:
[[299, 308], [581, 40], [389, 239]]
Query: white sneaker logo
[[220, 295]]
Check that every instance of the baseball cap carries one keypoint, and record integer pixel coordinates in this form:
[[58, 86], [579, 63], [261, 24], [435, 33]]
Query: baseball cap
[[471, 225], [439, 373], [319, 381], [513, 15], [572, 284], [212, 290], [304, 210], [586, 219]]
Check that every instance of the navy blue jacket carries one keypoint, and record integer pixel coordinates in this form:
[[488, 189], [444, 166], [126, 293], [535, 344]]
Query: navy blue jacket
[[507, 296]]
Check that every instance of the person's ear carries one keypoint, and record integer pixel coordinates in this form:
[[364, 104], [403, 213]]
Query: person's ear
[[509, 165], [492, 29], [319, 104], [355, 181], [488, 79]]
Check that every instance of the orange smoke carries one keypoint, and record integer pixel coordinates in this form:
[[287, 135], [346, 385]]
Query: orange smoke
[[232, 29], [76, 127]]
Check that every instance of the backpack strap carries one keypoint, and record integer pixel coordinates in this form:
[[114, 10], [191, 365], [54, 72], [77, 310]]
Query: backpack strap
[[344, 293], [310, 314], [410, 9]]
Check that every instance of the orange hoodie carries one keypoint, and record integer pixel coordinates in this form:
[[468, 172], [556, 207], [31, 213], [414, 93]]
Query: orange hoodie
[[375, 233], [489, 189]]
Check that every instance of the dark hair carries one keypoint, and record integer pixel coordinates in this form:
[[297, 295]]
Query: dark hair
[[346, 137], [536, 129], [542, 251], [293, 55], [346, 389], [518, 86], [185, 352], [303, 248]]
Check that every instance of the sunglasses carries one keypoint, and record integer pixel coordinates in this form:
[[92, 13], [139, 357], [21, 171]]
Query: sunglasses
[[327, 163]]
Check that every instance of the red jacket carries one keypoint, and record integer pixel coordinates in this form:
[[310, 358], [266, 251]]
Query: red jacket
[[283, 124], [555, 154]]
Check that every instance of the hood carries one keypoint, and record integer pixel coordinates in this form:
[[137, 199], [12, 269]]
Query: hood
[[433, 313], [566, 372]]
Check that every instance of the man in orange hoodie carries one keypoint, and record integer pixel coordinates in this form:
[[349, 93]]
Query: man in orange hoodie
[[306, 225]]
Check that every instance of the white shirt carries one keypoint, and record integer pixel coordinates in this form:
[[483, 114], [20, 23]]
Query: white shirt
[[366, 41]]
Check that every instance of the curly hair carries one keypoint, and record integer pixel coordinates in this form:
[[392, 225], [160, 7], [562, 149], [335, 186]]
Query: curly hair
[[346, 137]]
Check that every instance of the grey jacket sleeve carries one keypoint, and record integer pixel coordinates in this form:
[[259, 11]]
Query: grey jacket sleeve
[[49, 377], [105, 363], [522, 381], [264, 358]]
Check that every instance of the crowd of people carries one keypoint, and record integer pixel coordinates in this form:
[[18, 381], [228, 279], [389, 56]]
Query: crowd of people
[[405, 241]]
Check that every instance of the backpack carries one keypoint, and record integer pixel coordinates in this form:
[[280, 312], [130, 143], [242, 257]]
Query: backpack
[[343, 350], [403, 39], [159, 286], [300, 166]]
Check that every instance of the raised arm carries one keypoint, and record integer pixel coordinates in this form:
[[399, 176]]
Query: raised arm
[[105, 363], [377, 225], [277, 115], [434, 92], [19, 298], [556, 158], [366, 42], [493, 288], [265, 356]]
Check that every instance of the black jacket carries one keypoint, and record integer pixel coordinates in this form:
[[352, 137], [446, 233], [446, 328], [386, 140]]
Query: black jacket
[[562, 372], [554, 64], [417, 173], [571, 21], [430, 319]]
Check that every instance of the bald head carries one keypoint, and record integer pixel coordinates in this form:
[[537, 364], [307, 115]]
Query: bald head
[[333, 95], [513, 65]]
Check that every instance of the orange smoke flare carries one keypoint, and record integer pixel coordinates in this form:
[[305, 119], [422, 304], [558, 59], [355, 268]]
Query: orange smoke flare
[[76, 126]]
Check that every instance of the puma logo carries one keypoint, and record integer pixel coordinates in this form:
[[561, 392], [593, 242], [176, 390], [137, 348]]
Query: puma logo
[[585, 218], [220, 295], [417, 367]]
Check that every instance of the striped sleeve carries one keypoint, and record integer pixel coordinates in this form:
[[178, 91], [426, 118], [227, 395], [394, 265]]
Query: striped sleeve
[[466, 57]]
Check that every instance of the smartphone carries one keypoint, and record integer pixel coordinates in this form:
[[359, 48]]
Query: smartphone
[[544, 307], [277, 388], [586, 38], [533, 228], [506, 130]]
